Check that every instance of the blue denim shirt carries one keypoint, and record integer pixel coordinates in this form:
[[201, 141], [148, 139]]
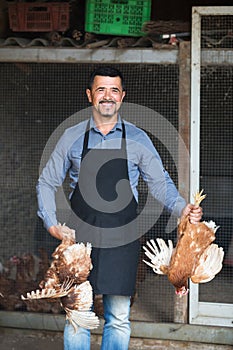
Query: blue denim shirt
[[143, 159]]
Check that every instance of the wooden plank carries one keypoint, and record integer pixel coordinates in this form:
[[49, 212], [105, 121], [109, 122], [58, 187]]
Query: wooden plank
[[181, 304]]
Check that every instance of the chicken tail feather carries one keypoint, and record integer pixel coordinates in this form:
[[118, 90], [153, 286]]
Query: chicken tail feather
[[84, 319], [159, 254], [210, 264]]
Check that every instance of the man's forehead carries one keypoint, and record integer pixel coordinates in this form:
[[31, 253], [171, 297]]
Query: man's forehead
[[105, 80]]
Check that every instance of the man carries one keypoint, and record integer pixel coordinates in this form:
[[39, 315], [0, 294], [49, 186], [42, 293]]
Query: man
[[107, 211]]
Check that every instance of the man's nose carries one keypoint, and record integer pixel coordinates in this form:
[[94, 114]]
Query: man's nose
[[107, 94]]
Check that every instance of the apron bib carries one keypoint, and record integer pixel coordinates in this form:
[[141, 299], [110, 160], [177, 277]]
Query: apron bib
[[104, 218]]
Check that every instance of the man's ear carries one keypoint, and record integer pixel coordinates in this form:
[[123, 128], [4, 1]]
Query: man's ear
[[88, 93]]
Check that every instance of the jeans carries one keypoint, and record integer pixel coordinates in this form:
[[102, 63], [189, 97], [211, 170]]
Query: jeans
[[116, 332]]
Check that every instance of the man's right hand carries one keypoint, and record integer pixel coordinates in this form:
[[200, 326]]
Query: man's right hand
[[61, 231]]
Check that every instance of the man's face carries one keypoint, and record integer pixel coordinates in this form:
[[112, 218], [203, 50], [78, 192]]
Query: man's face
[[106, 95]]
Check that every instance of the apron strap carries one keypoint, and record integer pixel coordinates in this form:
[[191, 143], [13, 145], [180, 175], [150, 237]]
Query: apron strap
[[86, 138]]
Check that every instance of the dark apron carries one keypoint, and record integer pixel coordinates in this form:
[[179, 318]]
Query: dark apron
[[114, 266]]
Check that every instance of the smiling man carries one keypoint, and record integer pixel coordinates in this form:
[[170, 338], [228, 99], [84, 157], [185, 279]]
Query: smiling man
[[106, 95], [105, 201]]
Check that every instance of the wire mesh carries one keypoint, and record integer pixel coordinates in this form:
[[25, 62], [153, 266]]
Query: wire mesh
[[216, 32], [216, 146], [34, 100]]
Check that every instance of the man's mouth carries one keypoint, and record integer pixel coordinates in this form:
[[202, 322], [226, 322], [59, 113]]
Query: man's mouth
[[108, 103]]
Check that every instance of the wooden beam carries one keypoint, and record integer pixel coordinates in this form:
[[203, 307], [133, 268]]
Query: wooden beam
[[181, 304]]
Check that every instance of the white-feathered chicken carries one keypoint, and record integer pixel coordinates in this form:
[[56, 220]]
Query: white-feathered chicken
[[66, 279], [194, 256]]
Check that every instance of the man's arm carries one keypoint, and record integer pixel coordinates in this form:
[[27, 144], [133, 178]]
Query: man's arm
[[161, 185], [50, 179]]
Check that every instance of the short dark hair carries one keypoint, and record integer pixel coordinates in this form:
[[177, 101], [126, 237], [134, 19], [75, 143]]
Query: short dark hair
[[106, 71]]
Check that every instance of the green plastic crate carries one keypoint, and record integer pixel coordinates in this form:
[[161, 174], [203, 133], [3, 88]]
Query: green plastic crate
[[117, 17]]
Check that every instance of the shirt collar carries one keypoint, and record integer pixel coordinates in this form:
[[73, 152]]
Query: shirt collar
[[118, 125]]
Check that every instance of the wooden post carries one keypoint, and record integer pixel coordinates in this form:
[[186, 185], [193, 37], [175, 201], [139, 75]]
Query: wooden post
[[181, 304]]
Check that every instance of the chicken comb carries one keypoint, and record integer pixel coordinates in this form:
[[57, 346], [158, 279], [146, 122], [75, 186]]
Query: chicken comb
[[198, 197]]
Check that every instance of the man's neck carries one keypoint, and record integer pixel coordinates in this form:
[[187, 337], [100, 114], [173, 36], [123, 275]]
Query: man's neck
[[105, 124]]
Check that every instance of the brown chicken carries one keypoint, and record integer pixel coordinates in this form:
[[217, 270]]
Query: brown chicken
[[24, 273], [20, 274], [66, 279], [43, 264], [194, 256], [9, 299]]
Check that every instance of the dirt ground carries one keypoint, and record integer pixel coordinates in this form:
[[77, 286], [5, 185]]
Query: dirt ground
[[15, 339], [12, 339], [19, 340], [29, 342]]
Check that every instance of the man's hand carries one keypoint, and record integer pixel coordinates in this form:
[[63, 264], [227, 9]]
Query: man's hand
[[61, 231], [193, 212]]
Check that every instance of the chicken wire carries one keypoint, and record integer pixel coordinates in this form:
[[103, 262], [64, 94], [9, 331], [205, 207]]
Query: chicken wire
[[216, 32], [216, 149], [34, 100]]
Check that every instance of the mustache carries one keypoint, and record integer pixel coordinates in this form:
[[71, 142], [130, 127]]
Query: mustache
[[109, 101]]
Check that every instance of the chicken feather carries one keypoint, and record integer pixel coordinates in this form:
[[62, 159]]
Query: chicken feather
[[160, 258], [84, 319], [80, 299], [210, 264], [57, 292], [194, 256], [66, 279]]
